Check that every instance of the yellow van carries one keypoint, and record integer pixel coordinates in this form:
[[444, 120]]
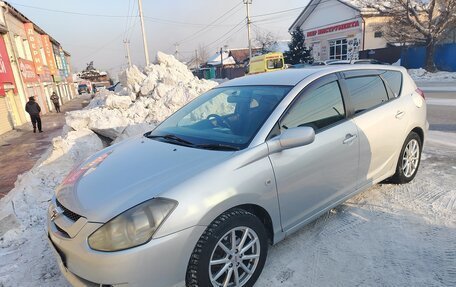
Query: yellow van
[[266, 63]]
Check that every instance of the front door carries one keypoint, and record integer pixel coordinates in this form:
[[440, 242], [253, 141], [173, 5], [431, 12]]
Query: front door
[[312, 177]]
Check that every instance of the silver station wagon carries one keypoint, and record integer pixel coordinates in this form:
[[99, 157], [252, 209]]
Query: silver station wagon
[[198, 200]]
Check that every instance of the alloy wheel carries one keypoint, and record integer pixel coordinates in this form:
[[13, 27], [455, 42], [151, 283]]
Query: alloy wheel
[[234, 258], [410, 158]]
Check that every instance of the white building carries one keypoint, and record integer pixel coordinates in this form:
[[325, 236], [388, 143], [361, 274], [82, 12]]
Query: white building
[[339, 29]]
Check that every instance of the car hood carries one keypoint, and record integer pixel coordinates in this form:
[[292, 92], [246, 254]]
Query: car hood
[[130, 173]]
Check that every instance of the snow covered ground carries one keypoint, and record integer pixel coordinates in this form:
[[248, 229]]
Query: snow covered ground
[[387, 236], [421, 75]]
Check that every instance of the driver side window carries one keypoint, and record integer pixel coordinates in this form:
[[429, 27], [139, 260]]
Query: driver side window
[[318, 108]]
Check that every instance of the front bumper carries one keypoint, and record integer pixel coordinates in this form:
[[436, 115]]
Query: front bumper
[[162, 262]]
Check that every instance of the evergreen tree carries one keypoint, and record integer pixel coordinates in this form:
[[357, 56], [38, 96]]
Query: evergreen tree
[[298, 53]]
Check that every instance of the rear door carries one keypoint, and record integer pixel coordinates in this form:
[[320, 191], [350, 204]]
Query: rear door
[[379, 115], [312, 177]]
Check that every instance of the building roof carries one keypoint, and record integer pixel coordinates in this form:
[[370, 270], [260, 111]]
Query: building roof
[[24, 19], [215, 59], [359, 5], [241, 55]]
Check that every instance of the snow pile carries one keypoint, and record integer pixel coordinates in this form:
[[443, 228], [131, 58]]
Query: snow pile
[[423, 75], [24, 252], [144, 101]]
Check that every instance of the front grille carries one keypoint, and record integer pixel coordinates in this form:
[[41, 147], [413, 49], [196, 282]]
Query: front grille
[[68, 213]]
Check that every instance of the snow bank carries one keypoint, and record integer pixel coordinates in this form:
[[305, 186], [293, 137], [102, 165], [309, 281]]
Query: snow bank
[[145, 100], [25, 256], [423, 75]]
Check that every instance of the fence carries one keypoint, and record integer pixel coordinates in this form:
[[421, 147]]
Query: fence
[[444, 57], [388, 55]]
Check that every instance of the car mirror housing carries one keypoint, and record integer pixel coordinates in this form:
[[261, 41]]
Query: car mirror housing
[[291, 138]]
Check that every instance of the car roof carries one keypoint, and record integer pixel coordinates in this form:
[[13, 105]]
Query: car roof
[[291, 77], [288, 77]]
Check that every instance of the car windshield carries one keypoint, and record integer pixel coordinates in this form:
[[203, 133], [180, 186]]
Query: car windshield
[[223, 118]]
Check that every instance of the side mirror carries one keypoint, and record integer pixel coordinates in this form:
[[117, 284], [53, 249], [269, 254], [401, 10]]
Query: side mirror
[[291, 138]]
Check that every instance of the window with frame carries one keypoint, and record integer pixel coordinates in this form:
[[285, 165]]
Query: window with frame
[[275, 64], [378, 34], [394, 80], [28, 54], [366, 92], [338, 49], [317, 108]]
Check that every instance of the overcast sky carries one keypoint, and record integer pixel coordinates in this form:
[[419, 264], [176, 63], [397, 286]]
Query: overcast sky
[[99, 36]]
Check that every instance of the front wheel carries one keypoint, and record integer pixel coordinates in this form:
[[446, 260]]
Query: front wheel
[[409, 159], [231, 252]]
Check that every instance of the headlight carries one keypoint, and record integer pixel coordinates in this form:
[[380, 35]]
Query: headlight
[[133, 227]]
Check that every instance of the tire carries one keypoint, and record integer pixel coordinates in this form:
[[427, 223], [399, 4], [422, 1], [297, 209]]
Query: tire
[[200, 271], [409, 159]]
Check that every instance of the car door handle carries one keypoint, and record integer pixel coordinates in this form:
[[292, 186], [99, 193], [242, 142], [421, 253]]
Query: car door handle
[[400, 114], [349, 138]]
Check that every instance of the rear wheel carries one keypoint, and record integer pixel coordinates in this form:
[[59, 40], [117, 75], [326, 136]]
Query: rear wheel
[[409, 159], [231, 252]]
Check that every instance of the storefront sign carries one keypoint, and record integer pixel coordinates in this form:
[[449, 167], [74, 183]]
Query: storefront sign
[[62, 75], [49, 54], [335, 28], [6, 73], [34, 47], [64, 63], [46, 75], [28, 71]]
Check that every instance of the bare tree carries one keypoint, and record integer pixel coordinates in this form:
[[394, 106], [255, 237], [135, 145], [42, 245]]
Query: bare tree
[[203, 54], [200, 57], [266, 41], [417, 21]]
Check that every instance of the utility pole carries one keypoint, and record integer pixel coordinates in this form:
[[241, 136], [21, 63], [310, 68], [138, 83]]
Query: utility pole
[[247, 3], [146, 51], [176, 51], [196, 59], [127, 46], [221, 63]]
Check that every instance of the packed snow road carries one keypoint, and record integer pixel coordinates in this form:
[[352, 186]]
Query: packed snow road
[[389, 235]]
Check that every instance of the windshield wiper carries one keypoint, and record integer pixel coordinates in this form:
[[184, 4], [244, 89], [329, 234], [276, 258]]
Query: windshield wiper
[[217, 146], [170, 137]]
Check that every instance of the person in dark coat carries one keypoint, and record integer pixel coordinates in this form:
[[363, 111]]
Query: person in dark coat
[[34, 111], [55, 100]]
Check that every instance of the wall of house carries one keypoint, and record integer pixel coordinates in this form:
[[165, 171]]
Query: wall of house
[[329, 12], [373, 25], [15, 27], [330, 25]]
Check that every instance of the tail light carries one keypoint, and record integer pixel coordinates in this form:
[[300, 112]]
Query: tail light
[[420, 92]]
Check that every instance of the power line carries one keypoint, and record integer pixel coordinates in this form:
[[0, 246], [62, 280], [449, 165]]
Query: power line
[[152, 19], [221, 37], [127, 20], [213, 22], [165, 21], [278, 12], [69, 12], [106, 44]]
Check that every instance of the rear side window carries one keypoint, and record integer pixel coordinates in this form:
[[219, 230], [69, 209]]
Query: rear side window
[[317, 108], [366, 92], [394, 80]]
